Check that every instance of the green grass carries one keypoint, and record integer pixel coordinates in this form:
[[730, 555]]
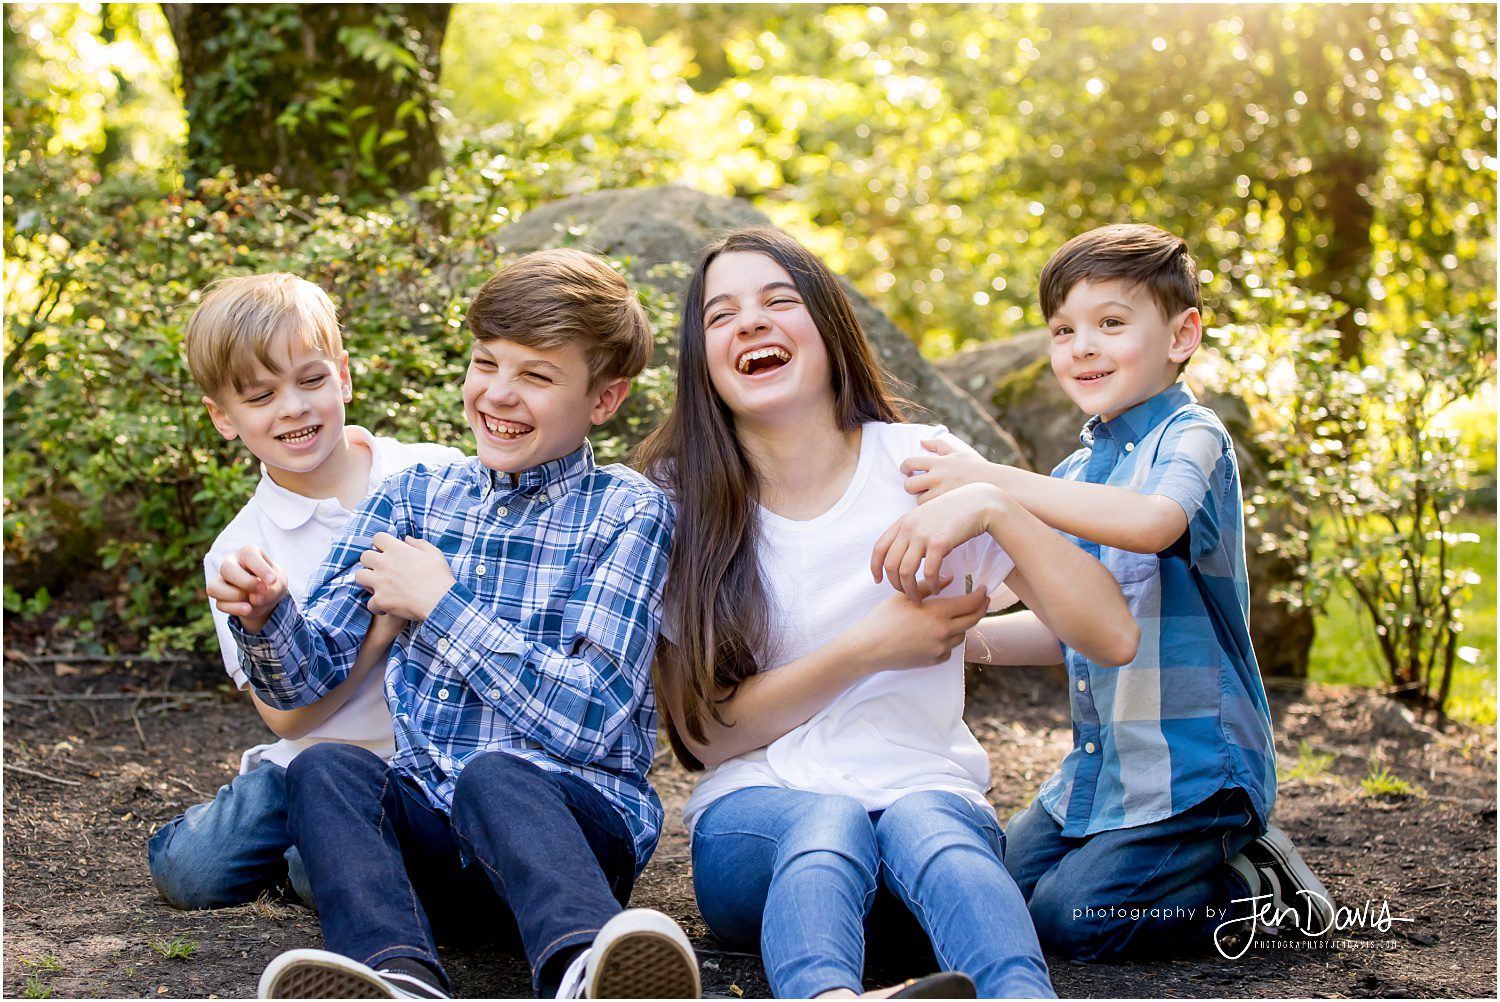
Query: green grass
[[176, 948], [1344, 650], [1381, 782], [35, 989], [1307, 766]]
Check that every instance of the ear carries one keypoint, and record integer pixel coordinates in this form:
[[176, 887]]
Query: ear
[[1187, 335], [607, 400], [343, 370], [221, 420]]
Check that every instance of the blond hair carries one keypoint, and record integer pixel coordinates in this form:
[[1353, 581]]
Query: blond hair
[[242, 320], [551, 298]]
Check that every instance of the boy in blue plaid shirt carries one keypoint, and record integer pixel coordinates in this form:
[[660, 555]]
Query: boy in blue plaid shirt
[[531, 580], [1154, 833]]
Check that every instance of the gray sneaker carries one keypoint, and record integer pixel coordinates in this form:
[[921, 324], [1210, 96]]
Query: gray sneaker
[[321, 974], [1274, 869], [639, 954]]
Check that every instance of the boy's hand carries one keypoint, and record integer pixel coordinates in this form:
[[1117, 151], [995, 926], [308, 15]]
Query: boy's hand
[[407, 577], [945, 467], [250, 585], [900, 633], [920, 540]]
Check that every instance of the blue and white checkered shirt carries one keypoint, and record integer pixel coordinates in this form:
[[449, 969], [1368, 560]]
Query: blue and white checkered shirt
[[541, 649], [1188, 716]]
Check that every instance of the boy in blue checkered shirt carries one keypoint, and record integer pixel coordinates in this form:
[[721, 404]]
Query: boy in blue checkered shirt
[[1154, 833], [520, 689]]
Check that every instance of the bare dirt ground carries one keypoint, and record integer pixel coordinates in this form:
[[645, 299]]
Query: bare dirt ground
[[98, 755]]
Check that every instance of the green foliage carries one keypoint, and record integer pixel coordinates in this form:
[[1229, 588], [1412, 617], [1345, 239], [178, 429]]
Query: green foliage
[[1382, 784], [1309, 765], [35, 988], [176, 948]]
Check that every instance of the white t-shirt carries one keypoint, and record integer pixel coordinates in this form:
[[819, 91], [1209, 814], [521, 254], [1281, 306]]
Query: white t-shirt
[[296, 532], [895, 732]]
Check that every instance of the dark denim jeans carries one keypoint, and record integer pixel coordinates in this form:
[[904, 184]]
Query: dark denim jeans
[[1154, 890], [545, 850]]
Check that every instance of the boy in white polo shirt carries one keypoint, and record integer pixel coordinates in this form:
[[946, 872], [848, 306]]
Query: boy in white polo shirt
[[267, 352]]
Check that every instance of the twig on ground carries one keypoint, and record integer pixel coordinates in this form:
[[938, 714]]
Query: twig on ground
[[189, 786], [70, 697], [11, 766], [101, 659], [137, 721]]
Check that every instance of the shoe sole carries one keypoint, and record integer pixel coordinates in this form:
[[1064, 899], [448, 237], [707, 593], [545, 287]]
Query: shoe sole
[[944, 985], [1284, 857], [645, 965], [317, 974]]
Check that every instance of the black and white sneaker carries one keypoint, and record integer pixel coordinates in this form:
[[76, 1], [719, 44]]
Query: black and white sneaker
[[320, 974], [1275, 870], [639, 954]]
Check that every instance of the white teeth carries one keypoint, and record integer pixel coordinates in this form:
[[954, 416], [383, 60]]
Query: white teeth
[[751, 356], [505, 429], [298, 437]]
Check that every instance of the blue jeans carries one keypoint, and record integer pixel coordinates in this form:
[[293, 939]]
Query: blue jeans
[[229, 850], [1153, 890], [795, 874], [541, 855]]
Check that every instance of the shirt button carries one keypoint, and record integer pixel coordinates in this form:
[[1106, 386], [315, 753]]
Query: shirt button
[[442, 646], [502, 511], [443, 694], [1088, 747], [479, 570], [1082, 685], [1129, 446], [278, 676], [494, 693]]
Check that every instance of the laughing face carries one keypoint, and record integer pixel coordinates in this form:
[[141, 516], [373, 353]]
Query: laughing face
[[766, 359], [1113, 349], [290, 416], [528, 406]]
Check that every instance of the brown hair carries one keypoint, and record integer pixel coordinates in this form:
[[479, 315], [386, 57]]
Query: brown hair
[[241, 320], [555, 297], [1137, 253], [714, 594]]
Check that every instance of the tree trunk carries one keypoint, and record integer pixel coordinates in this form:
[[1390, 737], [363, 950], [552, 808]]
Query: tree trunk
[[326, 97]]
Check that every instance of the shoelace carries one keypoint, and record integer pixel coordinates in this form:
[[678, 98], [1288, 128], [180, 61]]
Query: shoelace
[[573, 978]]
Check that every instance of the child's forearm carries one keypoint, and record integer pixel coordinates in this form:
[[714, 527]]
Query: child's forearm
[[1016, 638], [1070, 591], [1110, 516], [301, 721]]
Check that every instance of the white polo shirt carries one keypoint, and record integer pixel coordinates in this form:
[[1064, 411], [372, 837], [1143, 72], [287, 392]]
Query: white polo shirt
[[296, 532]]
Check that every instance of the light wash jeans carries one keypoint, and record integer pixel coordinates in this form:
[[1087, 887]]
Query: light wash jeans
[[229, 850], [795, 874]]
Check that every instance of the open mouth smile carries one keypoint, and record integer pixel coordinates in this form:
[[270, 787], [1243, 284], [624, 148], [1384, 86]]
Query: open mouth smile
[[753, 363], [1091, 377], [301, 436], [505, 429]]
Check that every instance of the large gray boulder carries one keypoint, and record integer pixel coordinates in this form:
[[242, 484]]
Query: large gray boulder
[[660, 231], [1014, 379]]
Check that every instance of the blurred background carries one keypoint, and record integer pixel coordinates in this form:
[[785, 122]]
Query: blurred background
[[1333, 167]]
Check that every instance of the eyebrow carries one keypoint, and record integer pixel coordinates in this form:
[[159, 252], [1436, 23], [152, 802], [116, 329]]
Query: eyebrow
[[763, 290]]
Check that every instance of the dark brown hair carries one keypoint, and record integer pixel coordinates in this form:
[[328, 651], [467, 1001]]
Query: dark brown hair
[[1137, 253], [555, 297], [715, 596]]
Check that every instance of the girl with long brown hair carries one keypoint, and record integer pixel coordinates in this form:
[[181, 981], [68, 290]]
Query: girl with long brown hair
[[826, 706]]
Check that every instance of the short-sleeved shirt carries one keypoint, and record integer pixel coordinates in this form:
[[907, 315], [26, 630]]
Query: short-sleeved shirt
[[296, 532], [1188, 716], [894, 732], [540, 649]]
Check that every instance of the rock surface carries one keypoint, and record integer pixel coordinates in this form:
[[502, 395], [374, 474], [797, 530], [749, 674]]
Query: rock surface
[[1014, 378], [660, 231]]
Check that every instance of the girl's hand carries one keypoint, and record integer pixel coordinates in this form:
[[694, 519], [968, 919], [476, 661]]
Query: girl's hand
[[944, 467], [900, 633], [924, 536]]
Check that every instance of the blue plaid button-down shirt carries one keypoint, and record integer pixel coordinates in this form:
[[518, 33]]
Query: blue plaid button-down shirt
[[1188, 716], [541, 649]]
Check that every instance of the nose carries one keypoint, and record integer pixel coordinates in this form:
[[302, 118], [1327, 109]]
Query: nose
[[293, 403], [752, 320], [500, 393], [1083, 343]]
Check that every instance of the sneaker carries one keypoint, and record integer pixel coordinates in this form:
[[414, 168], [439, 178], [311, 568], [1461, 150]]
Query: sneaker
[[639, 954], [943, 985], [1271, 866], [320, 974]]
